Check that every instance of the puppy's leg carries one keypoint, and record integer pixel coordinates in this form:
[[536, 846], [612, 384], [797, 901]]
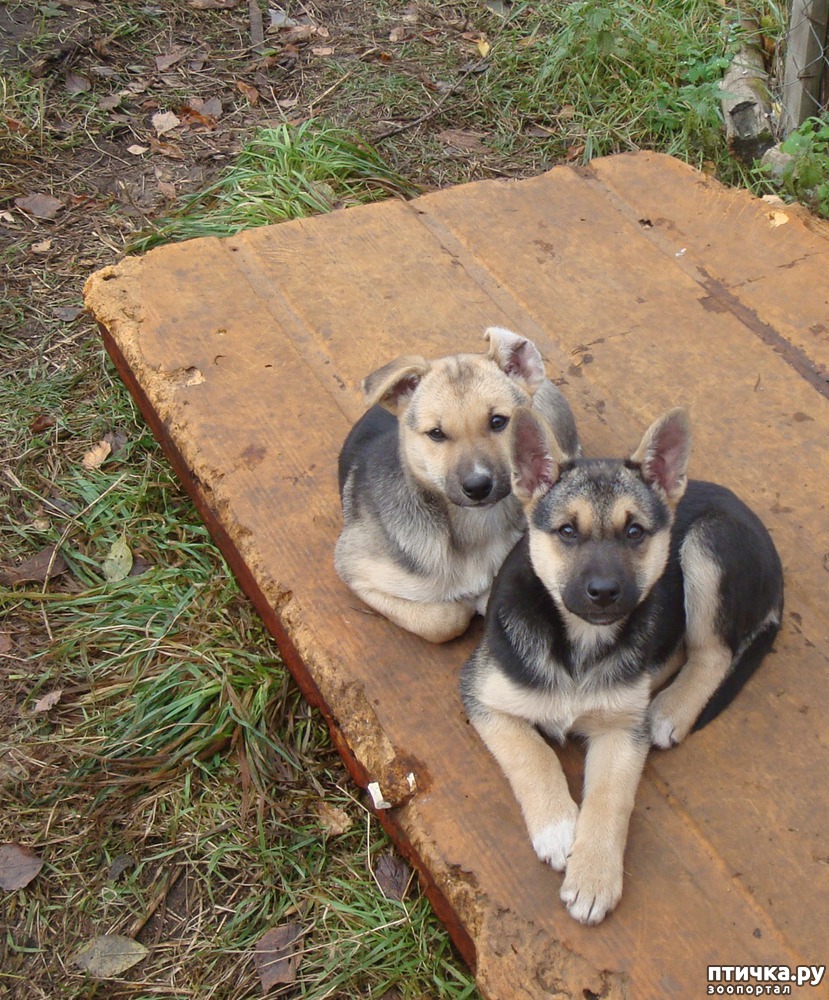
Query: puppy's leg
[[674, 711], [537, 781], [437, 621], [593, 883], [668, 669]]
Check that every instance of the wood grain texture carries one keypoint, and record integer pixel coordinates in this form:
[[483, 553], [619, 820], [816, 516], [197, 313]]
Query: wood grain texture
[[245, 355]]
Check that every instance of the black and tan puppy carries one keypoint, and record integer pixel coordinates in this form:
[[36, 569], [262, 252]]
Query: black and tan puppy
[[425, 481], [627, 573]]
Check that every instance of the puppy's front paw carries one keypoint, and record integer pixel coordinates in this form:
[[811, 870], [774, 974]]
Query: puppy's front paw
[[667, 721], [592, 885], [554, 842]]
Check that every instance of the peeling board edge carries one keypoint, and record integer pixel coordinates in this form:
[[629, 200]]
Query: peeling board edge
[[291, 656]]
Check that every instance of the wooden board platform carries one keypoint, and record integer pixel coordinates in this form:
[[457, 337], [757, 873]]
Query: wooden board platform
[[646, 285]]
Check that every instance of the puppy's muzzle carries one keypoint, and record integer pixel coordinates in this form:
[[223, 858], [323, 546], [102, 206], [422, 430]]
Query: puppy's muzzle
[[603, 591], [478, 487]]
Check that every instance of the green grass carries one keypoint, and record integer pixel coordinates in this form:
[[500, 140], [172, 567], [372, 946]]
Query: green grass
[[21, 114], [630, 75], [804, 177], [282, 173], [566, 80]]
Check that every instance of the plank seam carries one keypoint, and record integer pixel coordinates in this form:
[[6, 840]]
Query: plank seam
[[814, 374]]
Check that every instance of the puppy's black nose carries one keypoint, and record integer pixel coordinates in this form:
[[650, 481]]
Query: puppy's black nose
[[477, 486], [603, 591]]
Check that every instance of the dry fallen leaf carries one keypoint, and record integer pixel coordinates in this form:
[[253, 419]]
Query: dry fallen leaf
[[68, 313], [539, 131], [47, 701], [96, 456], [35, 569], [333, 820], [44, 247], [137, 150], [18, 866], [212, 107], [120, 865], [279, 19], [42, 422], [322, 50], [163, 63], [77, 84], [278, 955], [168, 149], [167, 189], [469, 142], [483, 47], [301, 33], [5, 643], [393, 875], [251, 93], [109, 955], [117, 563], [41, 206], [165, 121]]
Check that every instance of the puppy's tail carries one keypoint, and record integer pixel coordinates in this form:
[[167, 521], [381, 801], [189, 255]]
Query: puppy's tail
[[745, 662]]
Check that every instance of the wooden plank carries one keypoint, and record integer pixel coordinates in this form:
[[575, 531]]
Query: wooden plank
[[245, 354], [723, 240]]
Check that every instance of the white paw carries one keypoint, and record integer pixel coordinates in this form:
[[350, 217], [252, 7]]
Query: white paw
[[591, 888], [555, 841], [662, 731], [666, 728]]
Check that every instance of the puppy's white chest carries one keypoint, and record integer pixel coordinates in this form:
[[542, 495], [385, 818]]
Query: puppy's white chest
[[569, 706], [481, 539]]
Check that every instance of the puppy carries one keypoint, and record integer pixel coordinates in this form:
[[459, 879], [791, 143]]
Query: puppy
[[425, 481], [627, 573]]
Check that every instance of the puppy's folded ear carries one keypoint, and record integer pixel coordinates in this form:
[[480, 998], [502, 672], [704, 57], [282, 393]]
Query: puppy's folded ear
[[516, 356], [392, 385], [535, 456], [664, 453]]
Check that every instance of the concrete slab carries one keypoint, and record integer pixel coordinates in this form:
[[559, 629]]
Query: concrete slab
[[646, 284]]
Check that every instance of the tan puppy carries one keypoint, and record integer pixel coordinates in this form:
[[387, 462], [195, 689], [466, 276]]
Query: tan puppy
[[626, 572], [425, 481]]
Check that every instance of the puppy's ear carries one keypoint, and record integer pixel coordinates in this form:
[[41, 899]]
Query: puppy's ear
[[516, 356], [535, 456], [664, 453], [392, 385]]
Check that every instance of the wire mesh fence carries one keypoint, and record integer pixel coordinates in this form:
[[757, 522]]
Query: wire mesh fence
[[803, 71]]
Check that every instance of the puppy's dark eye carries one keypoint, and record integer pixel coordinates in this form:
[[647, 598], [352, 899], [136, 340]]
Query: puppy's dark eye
[[497, 422], [436, 434], [568, 533], [634, 532]]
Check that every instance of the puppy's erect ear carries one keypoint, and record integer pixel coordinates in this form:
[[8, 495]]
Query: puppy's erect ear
[[516, 356], [664, 453], [535, 456], [392, 385]]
